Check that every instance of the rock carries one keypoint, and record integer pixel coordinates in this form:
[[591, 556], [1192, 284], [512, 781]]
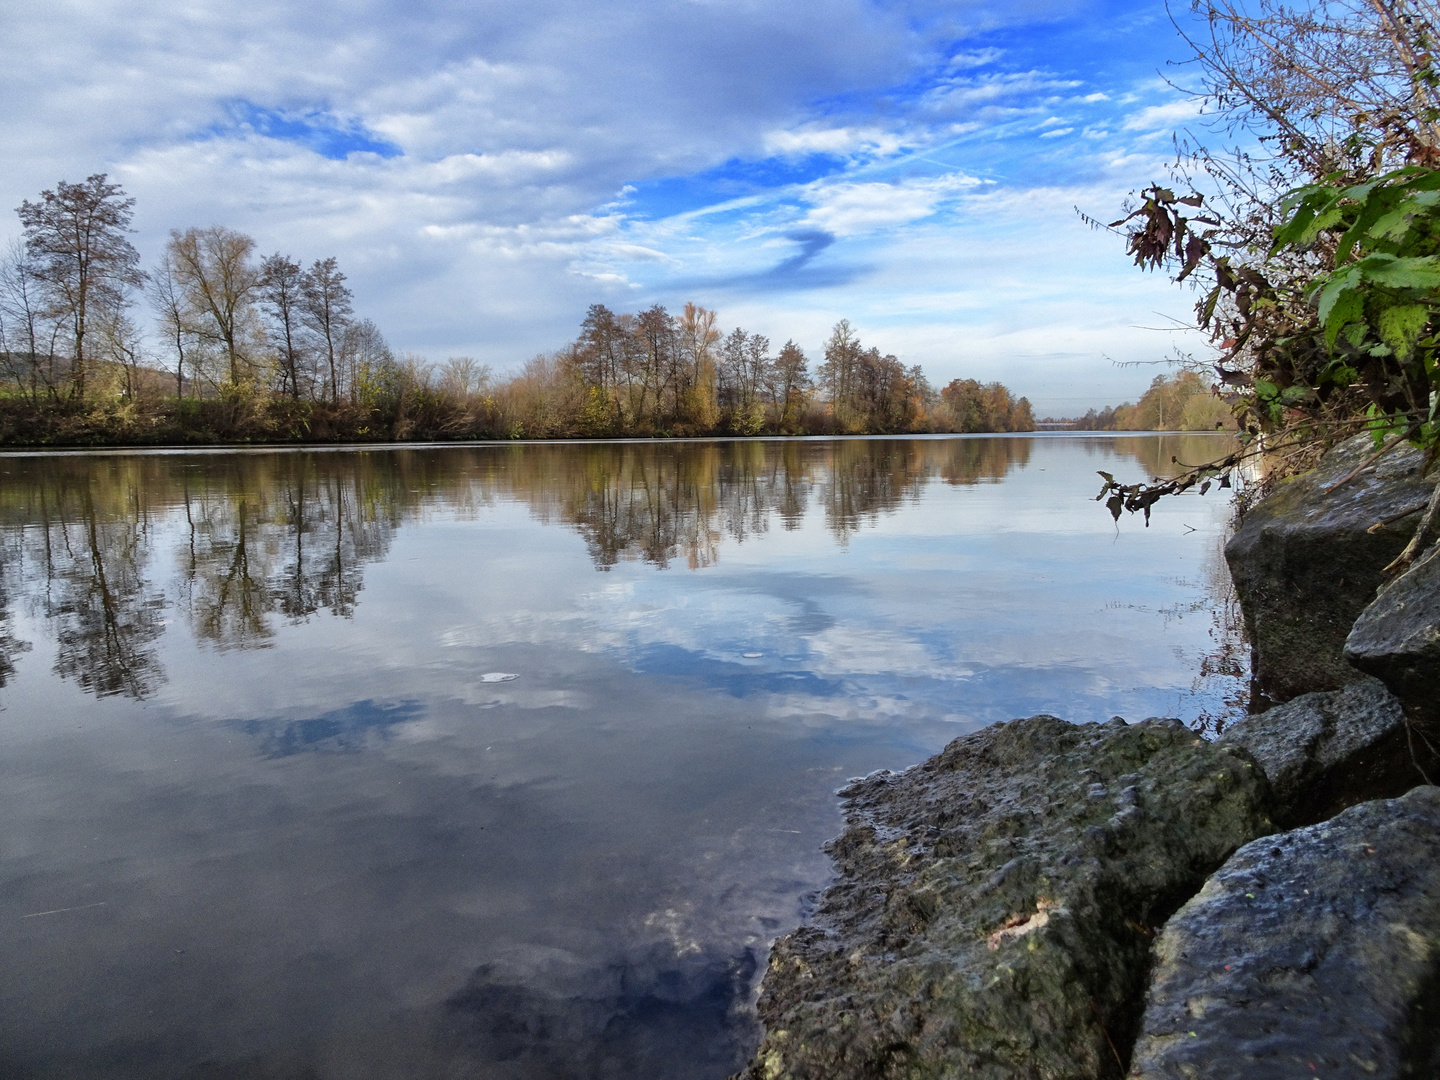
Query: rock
[[1397, 639], [995, 904], [1328, 751], [1305, 564], [1312, 953]]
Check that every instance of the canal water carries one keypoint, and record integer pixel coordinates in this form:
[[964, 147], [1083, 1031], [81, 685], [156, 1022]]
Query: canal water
[[510, 761]]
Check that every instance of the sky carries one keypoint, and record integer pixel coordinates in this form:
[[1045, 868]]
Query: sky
[[486, 171]]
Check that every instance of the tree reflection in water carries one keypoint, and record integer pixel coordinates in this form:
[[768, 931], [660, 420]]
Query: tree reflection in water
[[269, 538]]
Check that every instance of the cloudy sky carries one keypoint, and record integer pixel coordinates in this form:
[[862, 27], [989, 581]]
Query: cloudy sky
[[484, 171]]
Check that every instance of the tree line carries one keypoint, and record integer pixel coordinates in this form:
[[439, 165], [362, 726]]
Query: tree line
[[228, 325], [245, 346], [1184, 401]]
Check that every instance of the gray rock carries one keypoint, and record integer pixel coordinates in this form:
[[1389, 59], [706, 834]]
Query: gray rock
[[1312, 953], [995, 904], [1305, 563], [1397, 639], [1328, 751]]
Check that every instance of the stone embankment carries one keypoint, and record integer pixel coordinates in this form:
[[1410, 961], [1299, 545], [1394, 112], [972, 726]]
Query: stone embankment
[[1043, 899]]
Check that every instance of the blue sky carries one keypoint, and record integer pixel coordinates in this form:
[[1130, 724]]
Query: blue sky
[[485, 171]]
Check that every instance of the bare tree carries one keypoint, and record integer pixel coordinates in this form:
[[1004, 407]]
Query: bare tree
[[732, 370], [1341, 86], [76, 235], [167, 301], [122, 344], [656, 341], [462, 376], [364, 357], [28, 338], [282, 296], [756, 368], [325, 307], [838, 373], [213, 269]]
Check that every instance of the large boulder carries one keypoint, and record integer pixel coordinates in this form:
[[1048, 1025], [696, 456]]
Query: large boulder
[[1327, 751], [1312, 953], [1306, 563], [995, 904], [1397, 639]]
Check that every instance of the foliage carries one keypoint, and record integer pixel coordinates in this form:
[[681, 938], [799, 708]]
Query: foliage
[[973, 407], [1183, 401], [1317, 244]]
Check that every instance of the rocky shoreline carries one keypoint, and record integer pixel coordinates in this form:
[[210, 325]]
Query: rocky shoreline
[[1043, 899]]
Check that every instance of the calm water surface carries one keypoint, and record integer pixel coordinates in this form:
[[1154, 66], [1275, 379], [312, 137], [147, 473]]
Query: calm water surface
[[510, 761]]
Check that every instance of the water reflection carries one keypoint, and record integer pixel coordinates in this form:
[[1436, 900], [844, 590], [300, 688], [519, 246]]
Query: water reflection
[[271, 812], [279, 536], [283, 536]]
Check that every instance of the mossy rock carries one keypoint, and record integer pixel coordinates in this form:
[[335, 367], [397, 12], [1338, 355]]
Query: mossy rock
[[996, 904]]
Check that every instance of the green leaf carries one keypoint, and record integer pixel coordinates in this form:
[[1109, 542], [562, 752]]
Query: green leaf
[[1422, 272], [1401, 326], [1301, 210], [1396, 225], [1341, 302], [1207, 306], [1348, 308]]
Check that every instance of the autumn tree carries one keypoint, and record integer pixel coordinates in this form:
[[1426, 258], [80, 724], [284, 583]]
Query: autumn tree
[[984, 407], [698, 333], [83, 263], [788, 382]]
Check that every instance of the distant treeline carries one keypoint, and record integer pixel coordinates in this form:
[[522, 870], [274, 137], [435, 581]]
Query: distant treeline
[[266, 349], [1182, 402]]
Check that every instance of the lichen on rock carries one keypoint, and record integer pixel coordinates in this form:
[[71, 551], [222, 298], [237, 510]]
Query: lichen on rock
[[995, 905]]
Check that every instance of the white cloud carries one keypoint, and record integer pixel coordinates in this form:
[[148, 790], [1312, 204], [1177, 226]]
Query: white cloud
[[845, 209], [1163, 117], [976, 58], [833, 140]]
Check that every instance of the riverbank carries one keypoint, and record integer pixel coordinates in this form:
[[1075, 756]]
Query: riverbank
[[248, 419], [1129, 899]]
